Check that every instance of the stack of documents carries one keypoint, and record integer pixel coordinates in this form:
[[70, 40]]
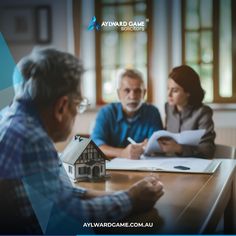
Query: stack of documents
[[165, 164]]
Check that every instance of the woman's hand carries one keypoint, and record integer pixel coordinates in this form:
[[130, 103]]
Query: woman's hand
[[169, 146]]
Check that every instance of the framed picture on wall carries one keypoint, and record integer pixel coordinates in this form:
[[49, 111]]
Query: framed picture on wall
[[17, 24]]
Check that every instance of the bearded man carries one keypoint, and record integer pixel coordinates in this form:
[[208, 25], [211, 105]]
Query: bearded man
[[131, 117]]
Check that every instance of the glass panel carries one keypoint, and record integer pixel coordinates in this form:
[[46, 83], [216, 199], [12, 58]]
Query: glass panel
[[225, 65], [143, 70], [108, 13], [207, 82], [108, 1], [89, 85], [109, 85], [117, 1], [127, 49], [109, 49], [140, 7], [139, 17], [205, 73], [195, 66], [206, 13], [124, 1], [206, 47], [191, 47], [125, 13], [192, 16], [140, 48]]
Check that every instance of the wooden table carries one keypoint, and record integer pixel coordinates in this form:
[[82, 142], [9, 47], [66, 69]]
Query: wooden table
[[192, 203]]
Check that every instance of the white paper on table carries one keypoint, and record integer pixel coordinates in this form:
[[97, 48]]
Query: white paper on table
[[165, 164]]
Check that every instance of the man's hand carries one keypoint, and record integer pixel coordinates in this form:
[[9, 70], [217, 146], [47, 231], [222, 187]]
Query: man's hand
[[145, 193], [134, 151], [169, 146]]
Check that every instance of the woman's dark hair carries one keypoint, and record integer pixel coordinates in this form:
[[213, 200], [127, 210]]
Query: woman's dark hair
[[189, 80]]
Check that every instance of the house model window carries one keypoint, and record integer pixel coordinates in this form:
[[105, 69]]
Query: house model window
[[70, 169]]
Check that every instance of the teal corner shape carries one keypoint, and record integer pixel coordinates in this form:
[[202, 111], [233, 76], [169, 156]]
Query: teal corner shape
[[7, 67]]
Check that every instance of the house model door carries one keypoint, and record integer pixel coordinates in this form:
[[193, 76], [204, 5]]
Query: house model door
[[96, 172]]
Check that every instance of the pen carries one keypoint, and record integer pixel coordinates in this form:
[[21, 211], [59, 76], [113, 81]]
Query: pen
[[131, 140], [182, 167]]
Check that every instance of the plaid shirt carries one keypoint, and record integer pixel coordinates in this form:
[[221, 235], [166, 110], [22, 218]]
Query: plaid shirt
[[28, 154]]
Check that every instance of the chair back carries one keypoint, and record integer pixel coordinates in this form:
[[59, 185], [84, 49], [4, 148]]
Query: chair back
[[223, 151]]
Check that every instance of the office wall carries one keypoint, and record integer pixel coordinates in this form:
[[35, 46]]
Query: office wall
[[62, 33], [225, 126], [60, 19]]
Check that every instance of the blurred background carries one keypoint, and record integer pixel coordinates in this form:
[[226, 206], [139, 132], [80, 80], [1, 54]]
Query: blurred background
[[200, 33]]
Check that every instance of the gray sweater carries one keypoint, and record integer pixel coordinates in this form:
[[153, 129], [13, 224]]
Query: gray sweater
[[193, 118]]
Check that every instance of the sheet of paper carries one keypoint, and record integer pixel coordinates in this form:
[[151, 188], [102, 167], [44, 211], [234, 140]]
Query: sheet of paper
[[169, 164], [188, 137]]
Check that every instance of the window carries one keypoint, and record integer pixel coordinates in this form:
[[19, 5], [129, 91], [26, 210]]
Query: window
[[82, 170], [106, 50], [70, 170], [96, 155], [88, 170], [118, 49], [209, 33]]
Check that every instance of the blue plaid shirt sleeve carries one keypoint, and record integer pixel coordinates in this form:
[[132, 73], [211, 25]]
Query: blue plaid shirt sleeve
[[28, 154], [107, 208], [53, 183]]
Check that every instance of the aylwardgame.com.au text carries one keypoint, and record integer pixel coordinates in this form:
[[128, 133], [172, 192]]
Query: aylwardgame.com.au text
[[118, 224]]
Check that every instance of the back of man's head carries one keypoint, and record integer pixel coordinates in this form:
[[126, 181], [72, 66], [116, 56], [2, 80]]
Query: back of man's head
[[21, 75], [52, 74]]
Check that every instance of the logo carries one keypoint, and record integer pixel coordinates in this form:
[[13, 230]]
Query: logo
[[94, 24], [120, 25]]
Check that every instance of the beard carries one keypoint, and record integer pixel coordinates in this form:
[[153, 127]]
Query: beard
[[133, 105]]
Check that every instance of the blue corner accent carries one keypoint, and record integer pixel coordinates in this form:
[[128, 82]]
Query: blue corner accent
[[7, 65], [41, 205], [51, 211]]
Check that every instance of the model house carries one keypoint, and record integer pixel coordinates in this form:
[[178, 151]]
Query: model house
[[83, 160]]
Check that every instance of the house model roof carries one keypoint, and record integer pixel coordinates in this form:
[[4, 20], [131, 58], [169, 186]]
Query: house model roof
[[75, 148]]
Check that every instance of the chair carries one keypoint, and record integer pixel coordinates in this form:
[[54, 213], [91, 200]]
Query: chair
[[223, 151]]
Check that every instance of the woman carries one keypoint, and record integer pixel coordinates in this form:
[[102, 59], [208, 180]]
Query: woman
[[185, 111]]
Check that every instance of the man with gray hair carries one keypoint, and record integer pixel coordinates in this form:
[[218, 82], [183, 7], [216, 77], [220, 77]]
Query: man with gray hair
[[20, 76], [131, 118], [37, 196]]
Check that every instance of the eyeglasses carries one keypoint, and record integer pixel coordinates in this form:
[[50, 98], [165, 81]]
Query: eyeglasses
[[83, 105]]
